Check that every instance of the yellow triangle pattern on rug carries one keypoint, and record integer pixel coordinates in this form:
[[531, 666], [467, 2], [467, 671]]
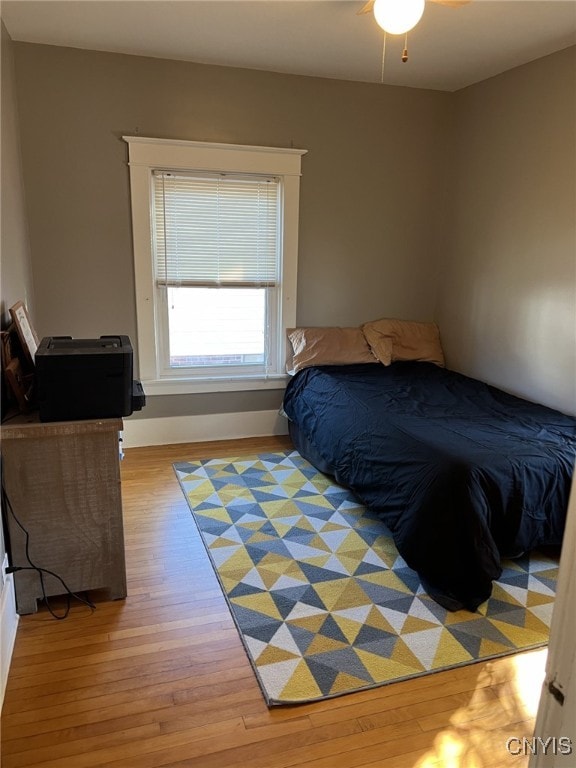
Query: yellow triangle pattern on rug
[[323, 602]]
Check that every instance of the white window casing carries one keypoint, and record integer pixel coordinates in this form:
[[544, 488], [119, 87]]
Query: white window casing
[[146, 156]]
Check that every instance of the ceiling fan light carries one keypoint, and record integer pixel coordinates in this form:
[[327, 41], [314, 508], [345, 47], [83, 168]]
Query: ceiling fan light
[[398, 16]]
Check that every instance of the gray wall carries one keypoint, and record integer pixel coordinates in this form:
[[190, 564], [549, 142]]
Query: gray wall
[[507, 299], [14, 248], [417, 204], [15, 251], [371, 195]]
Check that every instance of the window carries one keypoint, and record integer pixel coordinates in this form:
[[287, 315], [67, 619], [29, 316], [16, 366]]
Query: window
[[217, 260], [215, 245]]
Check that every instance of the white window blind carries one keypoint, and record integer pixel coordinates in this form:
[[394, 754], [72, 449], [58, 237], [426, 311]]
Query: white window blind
[[215, 230]]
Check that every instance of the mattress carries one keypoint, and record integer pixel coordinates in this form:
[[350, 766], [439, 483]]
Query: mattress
[[462, 473]]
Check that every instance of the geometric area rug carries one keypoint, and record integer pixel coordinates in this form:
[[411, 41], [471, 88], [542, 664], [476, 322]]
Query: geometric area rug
[[322, 600]]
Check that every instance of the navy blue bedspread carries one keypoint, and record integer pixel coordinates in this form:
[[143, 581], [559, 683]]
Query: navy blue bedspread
[[461, 472]]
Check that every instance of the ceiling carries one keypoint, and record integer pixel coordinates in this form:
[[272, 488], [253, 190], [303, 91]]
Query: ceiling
[[448, 50]]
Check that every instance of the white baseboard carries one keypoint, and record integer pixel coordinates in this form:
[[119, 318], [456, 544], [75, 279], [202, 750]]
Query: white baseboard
[[195, 429], [8, 625]]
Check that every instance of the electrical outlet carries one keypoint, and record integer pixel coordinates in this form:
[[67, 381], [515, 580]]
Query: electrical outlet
[[3, 576]]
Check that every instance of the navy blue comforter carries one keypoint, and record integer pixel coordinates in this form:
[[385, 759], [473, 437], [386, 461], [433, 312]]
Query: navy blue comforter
[[461, 473]]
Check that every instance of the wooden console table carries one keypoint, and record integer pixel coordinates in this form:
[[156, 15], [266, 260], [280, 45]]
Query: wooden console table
[[63, 483]]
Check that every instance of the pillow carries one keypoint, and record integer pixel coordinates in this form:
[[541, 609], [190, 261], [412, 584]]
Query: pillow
[[410, 340], [326, 346]]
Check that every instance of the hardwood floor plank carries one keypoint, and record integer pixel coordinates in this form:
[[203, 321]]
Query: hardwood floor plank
[[252, 753], [161, 679], [138, 679]]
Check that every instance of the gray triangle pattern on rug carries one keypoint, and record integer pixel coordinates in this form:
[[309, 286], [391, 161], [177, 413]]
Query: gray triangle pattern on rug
[[322, 600]]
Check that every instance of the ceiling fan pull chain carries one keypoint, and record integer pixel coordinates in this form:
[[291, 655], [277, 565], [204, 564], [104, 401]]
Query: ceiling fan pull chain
[[383, 58], [405, 51]]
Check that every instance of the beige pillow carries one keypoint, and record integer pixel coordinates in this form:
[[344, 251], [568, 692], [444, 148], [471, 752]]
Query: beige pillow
[[410, 340], [326, 346]]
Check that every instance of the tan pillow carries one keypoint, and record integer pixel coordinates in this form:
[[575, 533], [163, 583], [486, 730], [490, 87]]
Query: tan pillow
[[326, 346], [410, 340]]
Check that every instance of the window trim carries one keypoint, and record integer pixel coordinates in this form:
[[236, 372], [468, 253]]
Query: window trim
[[148, 154]]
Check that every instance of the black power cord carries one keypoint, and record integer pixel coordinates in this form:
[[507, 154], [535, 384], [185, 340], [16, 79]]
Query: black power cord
[[41, 571]]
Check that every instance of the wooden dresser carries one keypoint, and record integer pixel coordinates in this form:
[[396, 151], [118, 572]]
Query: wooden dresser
[[62, 480]]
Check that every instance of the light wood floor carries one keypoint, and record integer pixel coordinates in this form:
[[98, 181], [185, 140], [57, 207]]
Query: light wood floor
[[161, 678]]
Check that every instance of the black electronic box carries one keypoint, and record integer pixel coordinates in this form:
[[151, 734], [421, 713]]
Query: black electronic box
[[86, 378]]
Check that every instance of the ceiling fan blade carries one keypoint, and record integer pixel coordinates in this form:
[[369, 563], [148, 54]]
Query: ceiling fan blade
[[451, 3], [366, 8]]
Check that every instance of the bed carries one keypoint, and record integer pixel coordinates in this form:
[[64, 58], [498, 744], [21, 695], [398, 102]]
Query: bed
[[462, 474]]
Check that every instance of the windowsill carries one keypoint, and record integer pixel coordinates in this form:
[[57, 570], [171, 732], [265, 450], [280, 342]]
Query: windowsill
[[191, 386]]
